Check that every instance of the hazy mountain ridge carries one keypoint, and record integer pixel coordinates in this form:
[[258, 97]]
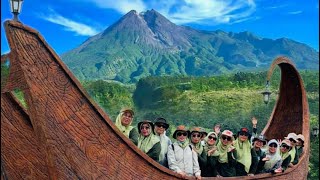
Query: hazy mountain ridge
[[145, 44]]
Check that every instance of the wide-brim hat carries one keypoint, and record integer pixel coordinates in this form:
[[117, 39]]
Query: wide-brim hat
[[260, 138], [127, 109], [286, 142], [203, 131], [146, 122], [163, 121], [301, 137], [227, 133], [180, 128], [292, 136], [195, 129]]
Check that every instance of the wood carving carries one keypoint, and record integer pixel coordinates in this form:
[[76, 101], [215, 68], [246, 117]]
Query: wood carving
[[76, 138]]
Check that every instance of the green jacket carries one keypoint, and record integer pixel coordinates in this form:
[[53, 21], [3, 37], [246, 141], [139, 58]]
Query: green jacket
[[133, 136]]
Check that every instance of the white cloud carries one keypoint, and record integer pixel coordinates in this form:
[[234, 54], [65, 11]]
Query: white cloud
[[70, 25], [188, 11], [213, 12], [122, 6], [295, 12]]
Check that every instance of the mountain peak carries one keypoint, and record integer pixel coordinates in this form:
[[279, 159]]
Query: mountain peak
[[147, 43]]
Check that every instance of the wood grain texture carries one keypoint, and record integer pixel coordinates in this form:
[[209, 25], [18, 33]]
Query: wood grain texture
[[79, 139], [21, 156]]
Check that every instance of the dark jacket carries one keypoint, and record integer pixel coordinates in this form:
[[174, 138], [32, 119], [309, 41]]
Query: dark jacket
[[260, 155], [202, 159], [210, 170], [228, 169], [133, 136], [154, 152]]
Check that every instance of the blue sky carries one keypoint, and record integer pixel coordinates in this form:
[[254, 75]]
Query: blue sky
[[65, 24]]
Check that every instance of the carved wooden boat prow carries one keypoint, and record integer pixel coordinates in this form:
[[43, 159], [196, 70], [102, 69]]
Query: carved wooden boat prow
[[75, 137]]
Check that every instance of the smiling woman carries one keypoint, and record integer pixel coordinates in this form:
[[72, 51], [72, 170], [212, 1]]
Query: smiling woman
[[74, 138]]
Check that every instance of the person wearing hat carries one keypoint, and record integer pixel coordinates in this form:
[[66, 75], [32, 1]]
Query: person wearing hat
[[226, 159], [258, 142], [195, 139], [181, 158], [203, 135], [210, 148], [273, 160], [123, 123], [285, 155], [148, 142], [160, 128], [247, 160], [292, 137], [299, 145]]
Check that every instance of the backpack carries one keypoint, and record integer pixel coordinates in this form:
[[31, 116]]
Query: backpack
[[173, 146]]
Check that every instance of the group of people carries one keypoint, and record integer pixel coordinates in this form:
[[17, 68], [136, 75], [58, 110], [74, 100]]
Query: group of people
[[215, 154]]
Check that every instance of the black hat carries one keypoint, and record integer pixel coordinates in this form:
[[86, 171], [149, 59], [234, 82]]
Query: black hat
[[146, 122], [245, 130], [162, 121], [260, 138]]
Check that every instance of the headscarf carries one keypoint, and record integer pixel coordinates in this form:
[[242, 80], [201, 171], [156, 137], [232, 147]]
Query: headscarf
[[124, 129], [145, 143], [243, 153], [273, 158], [292, 153], [223, 151], [184, 143], [286, 154], [208, 147]]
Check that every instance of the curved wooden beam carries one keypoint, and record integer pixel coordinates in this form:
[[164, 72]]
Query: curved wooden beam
[[80, 139], [21, 155]]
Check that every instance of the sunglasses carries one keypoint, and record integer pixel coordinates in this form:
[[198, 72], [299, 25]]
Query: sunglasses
[[182, 134], [145, 127], [292, 140], [196, 135], [243, 134], [285, 146], [161, 125], [273, 145], [226, 138], [211, 137]]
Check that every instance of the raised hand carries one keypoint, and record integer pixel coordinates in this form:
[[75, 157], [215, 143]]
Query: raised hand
[[254, 122], [217, 129]]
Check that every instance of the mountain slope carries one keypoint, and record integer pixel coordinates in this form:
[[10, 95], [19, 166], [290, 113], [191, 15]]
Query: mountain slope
[[145, 44]]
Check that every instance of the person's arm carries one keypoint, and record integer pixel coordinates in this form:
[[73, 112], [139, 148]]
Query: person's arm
[[196, 167], [154, 152], [232, 156], [254, 162], [133, 135]]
